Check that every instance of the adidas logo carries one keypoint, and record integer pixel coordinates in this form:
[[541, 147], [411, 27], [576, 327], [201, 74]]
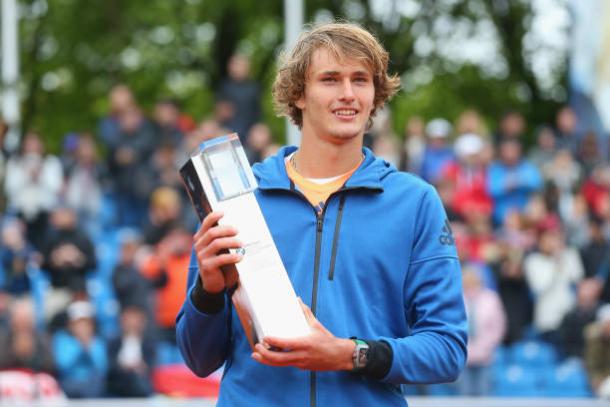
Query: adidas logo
[[446, 236]]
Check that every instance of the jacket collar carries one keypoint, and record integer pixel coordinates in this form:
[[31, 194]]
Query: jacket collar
[[271, 174]]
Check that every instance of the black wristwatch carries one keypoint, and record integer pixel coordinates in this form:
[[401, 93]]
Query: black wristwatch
[[360, 356]]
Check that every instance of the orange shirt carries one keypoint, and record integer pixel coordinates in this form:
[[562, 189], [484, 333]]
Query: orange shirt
[[169, 298], [317, 192]]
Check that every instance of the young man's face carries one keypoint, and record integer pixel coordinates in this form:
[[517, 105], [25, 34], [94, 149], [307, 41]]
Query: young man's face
[[338, 98]]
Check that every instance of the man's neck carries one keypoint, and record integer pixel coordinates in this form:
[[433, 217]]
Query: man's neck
[[319, 159]]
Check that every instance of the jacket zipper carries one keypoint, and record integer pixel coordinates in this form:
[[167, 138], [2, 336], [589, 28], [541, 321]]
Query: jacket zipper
[[333, 256], [316, 271], [314, 295]]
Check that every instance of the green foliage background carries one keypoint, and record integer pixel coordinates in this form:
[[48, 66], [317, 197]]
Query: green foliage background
[[74, 51]]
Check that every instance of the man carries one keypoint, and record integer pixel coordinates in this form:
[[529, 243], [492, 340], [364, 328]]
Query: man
[[367, 248], [511, 180], [239, 97]]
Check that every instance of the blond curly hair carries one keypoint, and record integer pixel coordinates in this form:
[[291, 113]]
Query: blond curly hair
[[343, 40]]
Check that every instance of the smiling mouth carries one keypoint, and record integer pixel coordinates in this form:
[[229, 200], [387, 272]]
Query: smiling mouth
[[345, 112]]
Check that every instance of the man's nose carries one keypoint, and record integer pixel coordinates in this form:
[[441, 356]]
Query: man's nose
[[347, 90]]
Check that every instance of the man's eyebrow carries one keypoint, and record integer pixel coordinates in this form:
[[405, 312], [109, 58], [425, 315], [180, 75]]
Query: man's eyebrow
[[330, 73], [334, 73]]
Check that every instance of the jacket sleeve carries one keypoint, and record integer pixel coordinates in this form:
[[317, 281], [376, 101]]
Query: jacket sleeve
[[203, 338], [434, 351]]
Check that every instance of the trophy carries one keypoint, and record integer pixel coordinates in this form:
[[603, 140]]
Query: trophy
[[219, 178]]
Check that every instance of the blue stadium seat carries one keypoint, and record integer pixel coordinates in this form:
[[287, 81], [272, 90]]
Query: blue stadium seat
[[516, 381], [168, 354], [40, 284], [535, 354], [106, 306], [568, 379]]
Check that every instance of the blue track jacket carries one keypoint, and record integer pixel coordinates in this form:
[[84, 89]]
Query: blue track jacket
[[379, 263]]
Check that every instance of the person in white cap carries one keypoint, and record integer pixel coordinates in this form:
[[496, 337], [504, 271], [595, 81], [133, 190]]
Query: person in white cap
[[468, 173], [438, 151], [80, 355]]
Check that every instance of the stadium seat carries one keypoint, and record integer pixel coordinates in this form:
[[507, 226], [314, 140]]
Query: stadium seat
[[535, 354], [516, 381], [40, 284], [569, 379]]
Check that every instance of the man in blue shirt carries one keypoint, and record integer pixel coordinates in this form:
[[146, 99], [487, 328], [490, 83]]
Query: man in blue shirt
[[373, 260]]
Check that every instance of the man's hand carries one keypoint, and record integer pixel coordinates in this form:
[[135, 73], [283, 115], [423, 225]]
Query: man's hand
[[318, 351], [210, 239]]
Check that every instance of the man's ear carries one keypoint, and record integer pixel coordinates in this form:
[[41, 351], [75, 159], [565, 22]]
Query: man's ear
[[300, 102]]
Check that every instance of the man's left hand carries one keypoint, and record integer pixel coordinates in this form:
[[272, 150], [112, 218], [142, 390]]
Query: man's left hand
[[319, 351]]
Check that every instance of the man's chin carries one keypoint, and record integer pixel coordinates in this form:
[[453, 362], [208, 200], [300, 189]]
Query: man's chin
[[346, 134]]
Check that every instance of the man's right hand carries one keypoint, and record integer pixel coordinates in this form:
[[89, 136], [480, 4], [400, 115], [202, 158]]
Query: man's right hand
[[210, 240]]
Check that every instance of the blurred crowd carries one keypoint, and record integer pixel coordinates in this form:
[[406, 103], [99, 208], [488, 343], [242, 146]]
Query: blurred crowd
[[532, 227]]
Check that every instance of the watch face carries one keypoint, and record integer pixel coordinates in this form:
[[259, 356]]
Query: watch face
[[362, 354]]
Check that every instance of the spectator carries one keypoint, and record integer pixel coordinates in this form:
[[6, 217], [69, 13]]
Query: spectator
[[589, 153], [552, 271], [165, 270], [512, 127], [469, 175], [68, 255], [207, 129], [23, 347], [68, 152], [380, 132], [412, 152], [575, 217], [596, 189], [596, 258], [438, 152], [486, 326], [167, 121], [131, 287], [565, 174], [595, 255], [80, 355], [479, 238], [566, 133], [597, 357], [131, 356], [511, 180], [470, 121], [258, 139], [572, 327], [446, 191], [158, 170], [270, 150], [83, 187], [239, 97], [165, 212], [545, 148], [513, 290], [33, 185], [121, 100], [15, 254], [129, 158], [385, 146], [516, 231]]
